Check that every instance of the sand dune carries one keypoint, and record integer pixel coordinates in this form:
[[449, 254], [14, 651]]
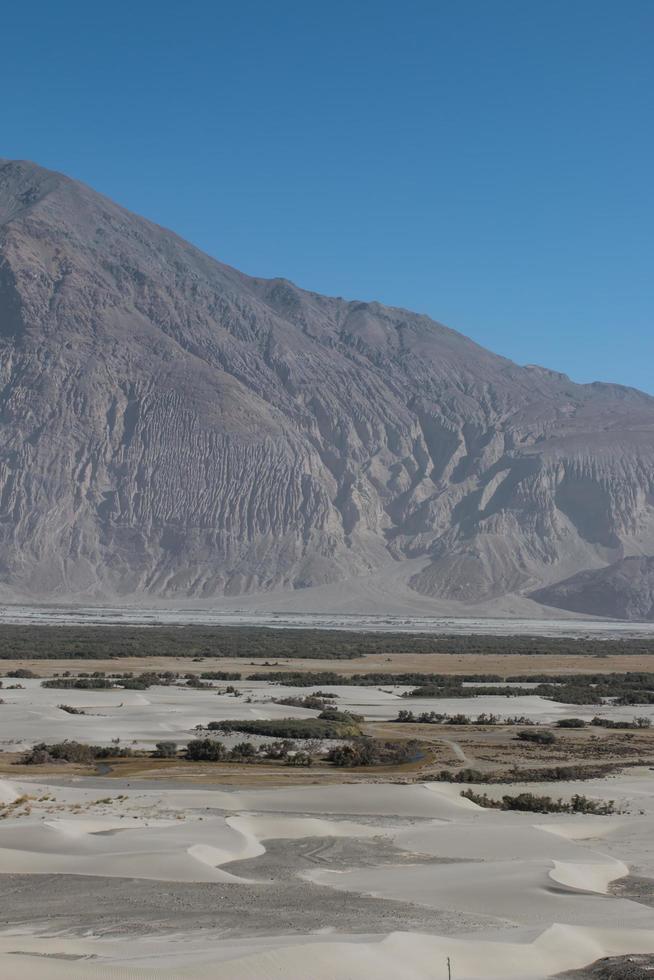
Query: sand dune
[[593, 876], [167, 850], [8, 792], [398, 955], [33, 714], [537, 890], [508, 892]]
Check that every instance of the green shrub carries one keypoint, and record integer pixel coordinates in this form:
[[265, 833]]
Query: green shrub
[[78, 683], [288, 727], [542, 804], [636, 723], [220, 675], [299, 759], [206, 750], [373, 752], [60, 752], [538, 736], [310, 701]]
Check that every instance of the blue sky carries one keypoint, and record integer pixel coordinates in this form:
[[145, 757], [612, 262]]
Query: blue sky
[[488, 162]]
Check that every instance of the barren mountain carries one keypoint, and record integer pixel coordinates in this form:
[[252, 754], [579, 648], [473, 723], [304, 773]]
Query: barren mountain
[[623, 590], [173, 428]]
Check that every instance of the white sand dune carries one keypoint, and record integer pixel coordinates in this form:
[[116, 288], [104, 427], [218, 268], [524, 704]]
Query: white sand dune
[[155, 849], [595, 876], [212, 857], [99, 825], [541, 888], [259, 828], [398, 956], [413, 957], [166, 850], [507, 892], [496, 836], [584, 828], [33, 714], [387, 799], [8, 792]]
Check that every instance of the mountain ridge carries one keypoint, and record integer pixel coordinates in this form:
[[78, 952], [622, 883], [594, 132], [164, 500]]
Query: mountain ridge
[[174, 428]]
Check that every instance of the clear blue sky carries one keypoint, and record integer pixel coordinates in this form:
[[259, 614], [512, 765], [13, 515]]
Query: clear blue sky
[[489, 162]]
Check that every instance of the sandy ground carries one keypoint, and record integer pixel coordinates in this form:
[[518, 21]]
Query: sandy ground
[[141, 718], [504, 665], [382, 596], [106, 879], [133, 879]]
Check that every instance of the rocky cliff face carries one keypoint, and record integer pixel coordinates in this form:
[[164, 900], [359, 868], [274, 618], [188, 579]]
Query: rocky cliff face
[[173, 428]]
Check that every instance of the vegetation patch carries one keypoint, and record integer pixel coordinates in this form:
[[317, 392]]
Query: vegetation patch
[[635, 723], [79, 683], [212, 750], [108, 642], [70, 751], [311, 701], [539, 736], [531, 803], [546, 774], [344, 726], [436, 718], [374, 752], [455, 689]]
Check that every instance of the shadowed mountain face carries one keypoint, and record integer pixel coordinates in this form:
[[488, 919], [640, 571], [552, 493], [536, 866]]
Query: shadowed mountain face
[[623, 590], [173, 428]]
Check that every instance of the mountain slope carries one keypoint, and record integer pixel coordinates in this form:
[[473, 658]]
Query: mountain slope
[[171, 427], [623, 590]]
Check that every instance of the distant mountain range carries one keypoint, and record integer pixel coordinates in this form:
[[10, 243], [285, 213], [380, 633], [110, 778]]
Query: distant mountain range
[[175, 430]]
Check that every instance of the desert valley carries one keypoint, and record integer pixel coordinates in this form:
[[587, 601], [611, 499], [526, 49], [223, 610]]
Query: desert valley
[[192, 801], [326, 630]]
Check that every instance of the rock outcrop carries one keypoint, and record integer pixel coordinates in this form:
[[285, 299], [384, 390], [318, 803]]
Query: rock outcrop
[[174, 428]]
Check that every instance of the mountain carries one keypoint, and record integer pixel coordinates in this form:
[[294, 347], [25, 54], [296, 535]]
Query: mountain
[[623, 590], [174, 429]]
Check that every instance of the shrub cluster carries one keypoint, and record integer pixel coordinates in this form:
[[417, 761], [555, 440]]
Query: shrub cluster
[[79, 683], [636, 723], [220, 675], [542, 804], [137, 682], [212, 750], [537, 735], [635, 687], [70, 751], [373, 752], [546, 774], [311, 701], [343, 726], [436, 718]]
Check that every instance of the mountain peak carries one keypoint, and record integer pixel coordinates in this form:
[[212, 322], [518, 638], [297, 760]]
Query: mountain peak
[[172, 427], [22, 185]]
